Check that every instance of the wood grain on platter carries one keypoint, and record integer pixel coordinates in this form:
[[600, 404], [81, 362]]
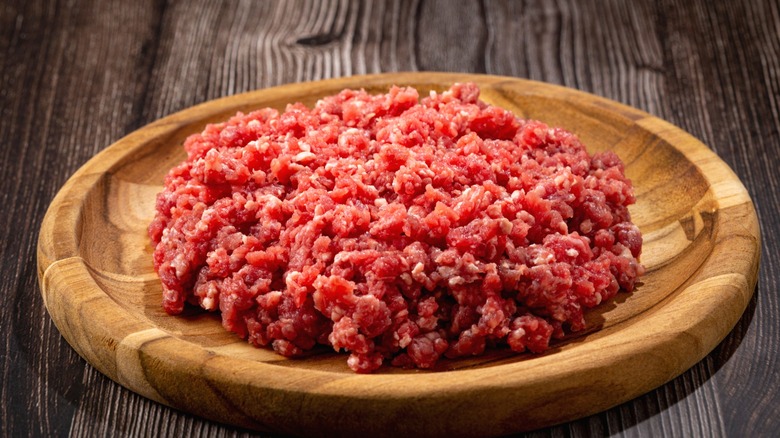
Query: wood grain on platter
[[701, 251]]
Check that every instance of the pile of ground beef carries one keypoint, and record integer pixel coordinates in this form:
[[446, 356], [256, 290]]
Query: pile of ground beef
[[395, 228]]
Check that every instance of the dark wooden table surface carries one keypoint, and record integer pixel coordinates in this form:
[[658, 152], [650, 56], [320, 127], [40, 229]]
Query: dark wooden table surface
[[77, 75]]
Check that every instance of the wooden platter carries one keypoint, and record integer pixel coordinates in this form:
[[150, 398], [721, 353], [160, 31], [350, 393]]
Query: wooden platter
[[701, 252]]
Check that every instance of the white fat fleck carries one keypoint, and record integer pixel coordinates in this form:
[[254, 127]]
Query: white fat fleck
[[291, 277], [305, 147], [418, 268], [598, 298], [338, 313], [457, 280], [406, 278], [304, 157], [216, 165], [505, 225], [253, 124], [180, 264], [586, 226], [544, 258], [208, 303], [571, 252], [380, 202]]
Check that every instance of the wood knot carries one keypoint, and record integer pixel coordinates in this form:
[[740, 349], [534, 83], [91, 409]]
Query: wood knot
[[317, 40]]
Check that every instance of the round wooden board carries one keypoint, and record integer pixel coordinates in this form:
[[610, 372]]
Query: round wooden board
[[701, 251]]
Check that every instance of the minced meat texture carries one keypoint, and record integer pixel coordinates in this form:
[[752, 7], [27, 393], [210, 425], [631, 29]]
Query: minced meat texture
[[394, 228]]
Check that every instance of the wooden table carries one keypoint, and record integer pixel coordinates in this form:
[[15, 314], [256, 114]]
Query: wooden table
[[76, 76]]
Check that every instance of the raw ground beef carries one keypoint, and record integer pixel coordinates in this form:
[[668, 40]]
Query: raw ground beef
[[394, 228]]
